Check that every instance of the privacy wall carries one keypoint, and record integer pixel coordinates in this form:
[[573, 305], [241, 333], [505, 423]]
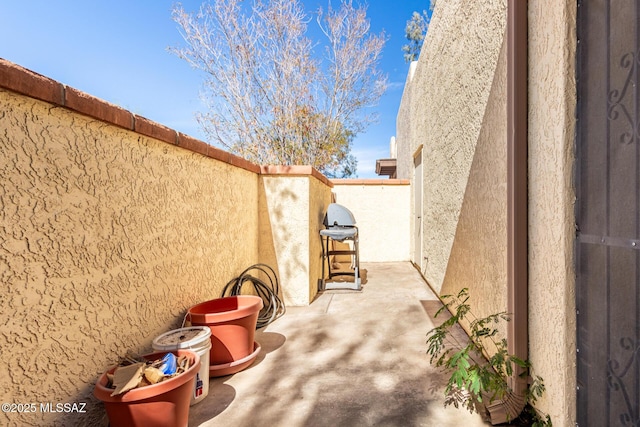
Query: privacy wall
[[108, 237], [381, 208], [293, 200]]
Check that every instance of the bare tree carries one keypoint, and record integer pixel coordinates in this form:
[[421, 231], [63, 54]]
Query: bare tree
[[272, 98]]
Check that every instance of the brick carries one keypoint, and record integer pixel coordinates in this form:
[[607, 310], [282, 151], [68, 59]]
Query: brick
[[369, 181], [243, 163], [192, 144], [285, 170], [155, 130], [97, 108], [25, 82]]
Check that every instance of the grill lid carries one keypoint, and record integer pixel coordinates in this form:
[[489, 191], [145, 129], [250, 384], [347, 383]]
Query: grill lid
[[338, 215]]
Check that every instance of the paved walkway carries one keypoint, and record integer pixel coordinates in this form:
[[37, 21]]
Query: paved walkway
[[351, 358]]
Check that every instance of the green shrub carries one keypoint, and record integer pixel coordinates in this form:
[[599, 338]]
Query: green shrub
[[480, 369]]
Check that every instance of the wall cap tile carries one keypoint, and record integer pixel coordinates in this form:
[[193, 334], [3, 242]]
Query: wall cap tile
[[370, 181], [26, 82]]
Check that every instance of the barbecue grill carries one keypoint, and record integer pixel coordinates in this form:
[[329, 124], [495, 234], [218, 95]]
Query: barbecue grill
[[340, 226]]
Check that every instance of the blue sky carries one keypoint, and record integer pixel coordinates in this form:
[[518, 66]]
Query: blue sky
[[116, 50]]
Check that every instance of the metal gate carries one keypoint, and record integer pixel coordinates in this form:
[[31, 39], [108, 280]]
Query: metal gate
[[608, 213]]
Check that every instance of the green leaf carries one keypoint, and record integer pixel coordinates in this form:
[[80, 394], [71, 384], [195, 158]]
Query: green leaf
[[471, 375]]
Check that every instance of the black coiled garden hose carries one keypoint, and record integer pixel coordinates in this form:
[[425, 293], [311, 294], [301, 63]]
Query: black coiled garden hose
[[273, 307]]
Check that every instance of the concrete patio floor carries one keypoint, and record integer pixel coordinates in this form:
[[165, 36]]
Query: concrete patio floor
[[351, 358]]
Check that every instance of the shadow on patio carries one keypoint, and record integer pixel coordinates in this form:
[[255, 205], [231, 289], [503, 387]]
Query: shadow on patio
[[349, 359]]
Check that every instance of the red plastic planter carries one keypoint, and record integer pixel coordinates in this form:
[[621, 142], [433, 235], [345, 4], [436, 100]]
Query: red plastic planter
[[165, 404], [232, 321]]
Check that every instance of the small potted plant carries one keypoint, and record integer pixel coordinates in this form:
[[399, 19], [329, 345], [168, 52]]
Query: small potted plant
[[476, 380]]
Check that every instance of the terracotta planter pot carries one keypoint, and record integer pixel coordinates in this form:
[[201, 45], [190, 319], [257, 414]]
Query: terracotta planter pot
[[232, 321], [165, 404]]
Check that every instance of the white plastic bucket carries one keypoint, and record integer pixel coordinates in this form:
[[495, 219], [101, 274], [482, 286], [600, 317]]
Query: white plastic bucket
[[197, 339]]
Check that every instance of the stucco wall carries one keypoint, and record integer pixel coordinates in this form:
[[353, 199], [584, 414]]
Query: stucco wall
[[479, 254], [410, 131], [552, 100], [319, 199], [291, 211], [442, 110], [381, 209], [108, 238]]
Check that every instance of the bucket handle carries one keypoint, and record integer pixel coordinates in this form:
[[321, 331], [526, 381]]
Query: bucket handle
[[184, 319]]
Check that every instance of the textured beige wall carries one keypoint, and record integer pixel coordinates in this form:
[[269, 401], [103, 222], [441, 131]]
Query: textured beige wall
[[479, 254], [107, 238], [319, 199], [291, 212], [410, 131], [382, 216], [552, 100], [442, 109], [284, 243]]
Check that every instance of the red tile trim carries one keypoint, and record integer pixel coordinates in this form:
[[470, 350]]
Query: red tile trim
[[242, 163], [372, 181], [91, 106], [294, 170], [26, 82], [285, 170], [192, 144], [155, 130]]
